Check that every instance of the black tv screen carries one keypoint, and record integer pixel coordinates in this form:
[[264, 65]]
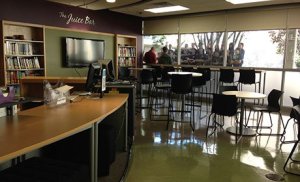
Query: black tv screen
[[83, 52]]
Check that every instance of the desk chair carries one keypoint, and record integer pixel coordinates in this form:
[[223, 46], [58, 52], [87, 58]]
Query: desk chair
[[296, 113], [295, 101], [272, 107], [181, 85], [222, 105]]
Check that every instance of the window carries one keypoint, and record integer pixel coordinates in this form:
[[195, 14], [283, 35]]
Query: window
[[293, 53], [256, 48], [160, 41], [202, 48]]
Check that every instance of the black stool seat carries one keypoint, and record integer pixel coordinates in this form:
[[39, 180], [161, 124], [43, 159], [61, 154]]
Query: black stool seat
[[45, 170]]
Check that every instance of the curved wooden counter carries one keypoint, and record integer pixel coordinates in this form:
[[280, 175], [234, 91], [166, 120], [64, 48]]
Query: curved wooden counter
[[40, 126]]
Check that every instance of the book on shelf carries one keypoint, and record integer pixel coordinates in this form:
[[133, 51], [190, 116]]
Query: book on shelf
[[127, 51], [22, 63], [18, 48], [13, 77]]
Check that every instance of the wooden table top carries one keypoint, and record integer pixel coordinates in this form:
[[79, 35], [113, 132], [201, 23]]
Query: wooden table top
[[245, 94], [43, 125]]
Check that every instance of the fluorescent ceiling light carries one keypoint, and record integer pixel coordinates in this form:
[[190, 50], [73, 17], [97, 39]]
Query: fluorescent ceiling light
[[245, 1], [111, 1], [166, 9]]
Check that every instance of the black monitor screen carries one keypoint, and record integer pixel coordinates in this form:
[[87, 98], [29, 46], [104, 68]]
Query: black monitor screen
[[83, 52], [93, 76]]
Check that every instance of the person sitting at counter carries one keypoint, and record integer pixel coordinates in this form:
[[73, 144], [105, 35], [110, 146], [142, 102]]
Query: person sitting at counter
[[150, 56], [164, 58]]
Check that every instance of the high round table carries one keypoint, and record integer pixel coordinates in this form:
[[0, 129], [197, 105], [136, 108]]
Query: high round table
[[194, 74], [243, 95]]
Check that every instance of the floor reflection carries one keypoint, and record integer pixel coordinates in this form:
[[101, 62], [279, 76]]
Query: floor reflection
[[178, 154]]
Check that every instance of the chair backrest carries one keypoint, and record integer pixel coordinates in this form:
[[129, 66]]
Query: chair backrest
[[199, 81], [247, 76], [181, 84], [227, 88], [124, 73], [157, 70], [206, 73], [296, 111], [295, 101], [147, 76], [273, 99], [226, 75], [165, 77], [224, 105]]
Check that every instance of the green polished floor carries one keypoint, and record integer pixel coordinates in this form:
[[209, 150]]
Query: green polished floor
[[180, 155]]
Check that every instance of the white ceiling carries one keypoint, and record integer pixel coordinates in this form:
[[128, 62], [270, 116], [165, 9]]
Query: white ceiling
[[136, 7]]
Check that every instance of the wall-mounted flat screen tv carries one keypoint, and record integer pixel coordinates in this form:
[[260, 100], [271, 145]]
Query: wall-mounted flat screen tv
[[82, 52]]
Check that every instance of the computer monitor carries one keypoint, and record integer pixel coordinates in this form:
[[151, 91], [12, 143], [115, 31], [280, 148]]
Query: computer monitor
[[96, 79], [93, 77], [109, 66]]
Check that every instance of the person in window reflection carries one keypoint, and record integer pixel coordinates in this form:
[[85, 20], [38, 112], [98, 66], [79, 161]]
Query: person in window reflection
[[238, 57], [230, 54], [150, 56], [164, 57], [216, 55], [171, 53]]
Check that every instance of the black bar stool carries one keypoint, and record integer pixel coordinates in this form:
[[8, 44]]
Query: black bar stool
[[181, 84]]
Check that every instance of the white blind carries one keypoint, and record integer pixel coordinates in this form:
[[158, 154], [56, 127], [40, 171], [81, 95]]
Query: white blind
[[293, 18], [163, 26], [257, 20], [211, 23]]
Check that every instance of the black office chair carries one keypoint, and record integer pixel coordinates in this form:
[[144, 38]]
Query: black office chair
[[295, 101], [296, 113], [222, 105], [181, 85], [272, 107], [247, 77]]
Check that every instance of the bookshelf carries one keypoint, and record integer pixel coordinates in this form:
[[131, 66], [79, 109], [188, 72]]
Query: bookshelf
[[23, 52], [126, 51]]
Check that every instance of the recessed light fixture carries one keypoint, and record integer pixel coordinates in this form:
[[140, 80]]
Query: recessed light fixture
[[167, 9], [111, 1], [245, 1]]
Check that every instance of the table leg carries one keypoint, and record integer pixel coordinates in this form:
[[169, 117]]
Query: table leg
[[242, 131]]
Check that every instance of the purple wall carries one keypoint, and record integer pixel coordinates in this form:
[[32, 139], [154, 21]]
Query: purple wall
[[47, 13]]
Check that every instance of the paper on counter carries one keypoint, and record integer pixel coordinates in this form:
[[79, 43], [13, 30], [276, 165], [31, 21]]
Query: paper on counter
[[64, 89]]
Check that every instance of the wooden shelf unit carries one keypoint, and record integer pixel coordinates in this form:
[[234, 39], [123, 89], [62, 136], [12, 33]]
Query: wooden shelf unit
[[126, 52], [23, 52]]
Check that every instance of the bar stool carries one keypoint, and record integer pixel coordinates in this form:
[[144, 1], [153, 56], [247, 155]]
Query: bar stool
[[147, 79], [181, 85], [226, 76], [161, 88], [247, 77]]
